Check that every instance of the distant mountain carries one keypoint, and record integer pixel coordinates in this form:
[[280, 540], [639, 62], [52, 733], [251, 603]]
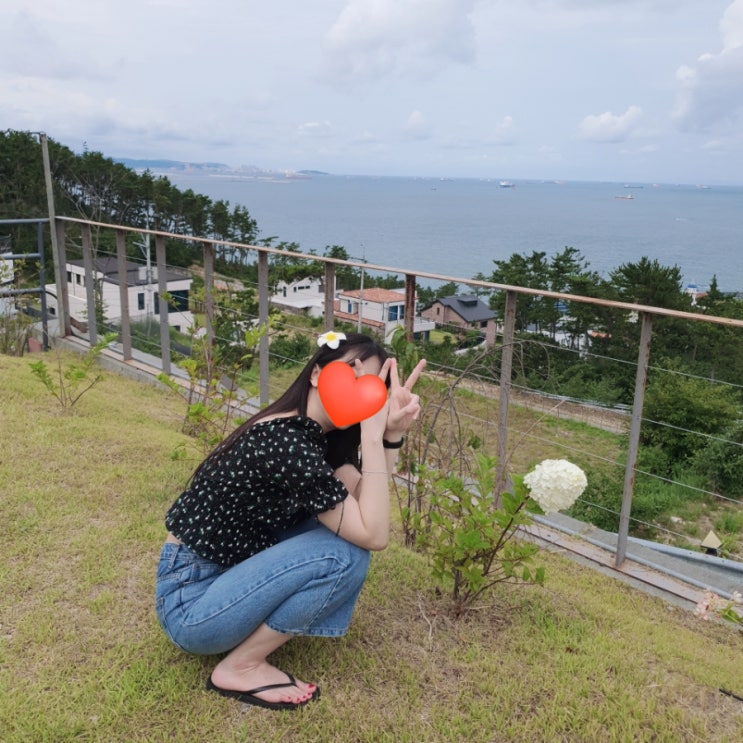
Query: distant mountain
[[169, 165], [178, 166]]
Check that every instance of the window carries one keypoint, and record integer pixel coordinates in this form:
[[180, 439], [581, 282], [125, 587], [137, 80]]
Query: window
[[180, 300], [395, 312], [140, 301]]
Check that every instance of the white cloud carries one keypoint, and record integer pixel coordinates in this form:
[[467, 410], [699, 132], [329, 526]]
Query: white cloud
[[723, 147], [710, 92], [36, 53], [408, 38], [416, 127], [454, 87], [609, 127], [315, 129], [504, 131]]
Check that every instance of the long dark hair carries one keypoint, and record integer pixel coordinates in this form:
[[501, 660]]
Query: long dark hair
[[355, 346]]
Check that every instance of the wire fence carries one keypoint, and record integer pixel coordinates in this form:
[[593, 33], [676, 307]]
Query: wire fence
[[494, 381]]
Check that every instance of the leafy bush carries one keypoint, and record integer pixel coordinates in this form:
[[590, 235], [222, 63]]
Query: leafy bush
[[288, 350], [721, 462], [601, 501], [679, 410], [468, 529]]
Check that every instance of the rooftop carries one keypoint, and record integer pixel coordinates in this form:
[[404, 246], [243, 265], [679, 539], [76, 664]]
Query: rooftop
[[469, 307], [374, 294]]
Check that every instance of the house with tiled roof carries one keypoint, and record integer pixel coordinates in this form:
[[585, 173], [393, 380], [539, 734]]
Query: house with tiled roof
[[461, 313], [378, 310]]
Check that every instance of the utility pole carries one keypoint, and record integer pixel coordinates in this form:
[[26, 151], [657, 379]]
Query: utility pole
[[144, 246], [61, 298]]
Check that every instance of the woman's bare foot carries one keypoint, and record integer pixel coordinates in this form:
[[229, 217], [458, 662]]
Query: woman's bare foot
[[262, 674]]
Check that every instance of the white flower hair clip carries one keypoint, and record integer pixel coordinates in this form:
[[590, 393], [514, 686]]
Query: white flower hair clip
[[331, 339]]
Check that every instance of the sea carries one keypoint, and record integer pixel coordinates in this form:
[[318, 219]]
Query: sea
[[457, 227]]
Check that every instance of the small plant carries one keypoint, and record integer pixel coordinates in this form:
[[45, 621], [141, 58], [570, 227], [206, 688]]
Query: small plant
[[730, 521], [72, 381], [15, 325], [405, 352], [407, 357], [211, 394], [729, 545], [469, 528], [731, 610], [15, 330]]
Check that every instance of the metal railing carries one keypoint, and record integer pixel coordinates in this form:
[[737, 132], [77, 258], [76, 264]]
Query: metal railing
[[645, 314], [39, 290]]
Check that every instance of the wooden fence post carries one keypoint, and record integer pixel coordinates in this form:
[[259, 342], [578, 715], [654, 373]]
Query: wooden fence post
[[509, 331], [638, 401]]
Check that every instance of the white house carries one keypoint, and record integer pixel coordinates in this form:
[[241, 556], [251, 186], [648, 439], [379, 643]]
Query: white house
[[694, 292], [381, 310], [303, 296], [142, 293]]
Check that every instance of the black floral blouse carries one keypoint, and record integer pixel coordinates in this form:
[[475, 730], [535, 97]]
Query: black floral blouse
[[273, 477]]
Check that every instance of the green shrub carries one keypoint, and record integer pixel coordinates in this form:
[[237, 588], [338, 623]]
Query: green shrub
[[290, 349]]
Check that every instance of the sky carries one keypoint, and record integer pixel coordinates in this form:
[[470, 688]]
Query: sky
[[608, 90]]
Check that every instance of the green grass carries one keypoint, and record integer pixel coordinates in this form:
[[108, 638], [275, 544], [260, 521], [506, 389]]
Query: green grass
[[586, 658]]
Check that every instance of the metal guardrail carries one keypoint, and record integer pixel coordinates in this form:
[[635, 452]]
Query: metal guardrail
[[645, 314]]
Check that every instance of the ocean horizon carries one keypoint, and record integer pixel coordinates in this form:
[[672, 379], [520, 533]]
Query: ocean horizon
[[458, 226]]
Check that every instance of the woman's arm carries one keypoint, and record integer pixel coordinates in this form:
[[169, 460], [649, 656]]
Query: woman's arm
[[364, 519], [350, 477]]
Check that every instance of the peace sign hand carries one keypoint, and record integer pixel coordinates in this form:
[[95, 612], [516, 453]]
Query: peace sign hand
[[404, 404]]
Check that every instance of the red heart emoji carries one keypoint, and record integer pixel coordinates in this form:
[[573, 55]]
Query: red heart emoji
[[348, 399]]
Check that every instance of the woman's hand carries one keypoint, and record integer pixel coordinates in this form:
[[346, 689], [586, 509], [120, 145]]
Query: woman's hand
[[373, 427], [404, 404]]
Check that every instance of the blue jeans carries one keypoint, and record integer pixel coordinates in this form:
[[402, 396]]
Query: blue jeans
[[307, 584]]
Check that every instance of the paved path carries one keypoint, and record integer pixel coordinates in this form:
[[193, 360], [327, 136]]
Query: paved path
[[682, 575]]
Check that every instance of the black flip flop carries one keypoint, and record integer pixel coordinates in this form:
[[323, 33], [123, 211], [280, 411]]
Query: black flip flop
[[248, 697]]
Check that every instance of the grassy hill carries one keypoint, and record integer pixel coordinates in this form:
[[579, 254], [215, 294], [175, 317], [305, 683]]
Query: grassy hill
[[81, 656]]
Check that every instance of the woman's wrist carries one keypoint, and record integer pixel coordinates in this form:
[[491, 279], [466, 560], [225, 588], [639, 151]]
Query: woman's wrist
[[371, 439]]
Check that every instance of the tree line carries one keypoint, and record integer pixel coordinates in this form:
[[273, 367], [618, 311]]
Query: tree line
[[92, 186]]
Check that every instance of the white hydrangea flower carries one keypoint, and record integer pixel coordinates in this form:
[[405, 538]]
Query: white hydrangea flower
[[555, 484], [331, 339]]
